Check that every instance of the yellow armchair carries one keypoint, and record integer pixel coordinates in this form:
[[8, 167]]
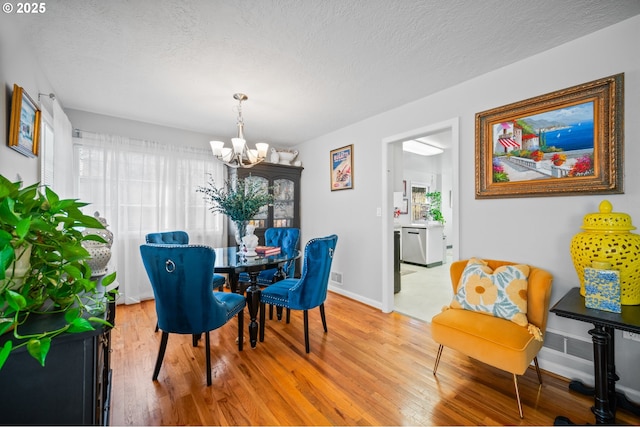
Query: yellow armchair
[[492, 340]]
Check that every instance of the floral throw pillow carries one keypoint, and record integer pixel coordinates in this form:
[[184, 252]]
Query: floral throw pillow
[[500, 293]]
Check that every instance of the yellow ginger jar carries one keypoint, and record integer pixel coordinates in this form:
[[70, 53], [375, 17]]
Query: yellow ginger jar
[[607, 237]]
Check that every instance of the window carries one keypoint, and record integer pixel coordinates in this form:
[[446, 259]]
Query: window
[[141, 187]]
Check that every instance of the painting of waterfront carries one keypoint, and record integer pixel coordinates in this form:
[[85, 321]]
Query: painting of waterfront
[[566, 142], [554, 144]]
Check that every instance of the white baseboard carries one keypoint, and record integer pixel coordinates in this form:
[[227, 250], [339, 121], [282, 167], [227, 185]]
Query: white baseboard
[[355, 297], [574, 368]]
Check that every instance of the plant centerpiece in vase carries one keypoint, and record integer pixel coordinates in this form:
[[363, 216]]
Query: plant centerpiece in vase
[[239, 199], [43, 267]]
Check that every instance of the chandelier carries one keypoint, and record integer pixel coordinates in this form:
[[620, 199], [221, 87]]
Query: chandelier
[[238, 155]]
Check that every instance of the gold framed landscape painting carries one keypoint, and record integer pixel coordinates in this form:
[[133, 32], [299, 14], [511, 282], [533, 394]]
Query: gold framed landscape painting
[[24, 126], [341, 168], [567, 142]]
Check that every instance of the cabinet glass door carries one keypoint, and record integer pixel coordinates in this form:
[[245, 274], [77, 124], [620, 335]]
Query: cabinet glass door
[[283, 207], [260, 220]]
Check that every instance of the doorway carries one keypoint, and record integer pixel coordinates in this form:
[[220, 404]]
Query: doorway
[[393, 167], [426, 227]]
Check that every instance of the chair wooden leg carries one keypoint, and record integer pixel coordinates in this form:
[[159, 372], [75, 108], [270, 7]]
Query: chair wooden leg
[[207, 345], [324, 318], [240, 329], [270, 311], [157, 327], [535, 362], [288, 315], [279, 312], [306, 330], [262, 316], [515, 383], [195, 338], [163, 348], [435, 366]]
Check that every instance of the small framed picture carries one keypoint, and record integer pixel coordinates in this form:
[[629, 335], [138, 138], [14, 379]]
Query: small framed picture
[[405, 207], [24, 127], [341, 168]]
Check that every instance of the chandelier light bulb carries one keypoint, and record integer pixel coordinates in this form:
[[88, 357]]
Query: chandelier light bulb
[[216, 147]]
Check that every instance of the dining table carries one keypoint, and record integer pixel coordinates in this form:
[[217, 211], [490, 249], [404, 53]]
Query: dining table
[[233, 260]]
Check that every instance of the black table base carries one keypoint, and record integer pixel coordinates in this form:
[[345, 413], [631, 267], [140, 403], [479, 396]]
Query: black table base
[[232, 262], [253, 302], [606, 399], [622, 401]]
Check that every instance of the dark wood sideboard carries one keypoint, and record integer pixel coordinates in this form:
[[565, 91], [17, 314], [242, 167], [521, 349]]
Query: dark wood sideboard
[[73, 388]]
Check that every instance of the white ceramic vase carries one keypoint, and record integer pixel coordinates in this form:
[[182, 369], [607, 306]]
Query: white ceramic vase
[[100, 252]]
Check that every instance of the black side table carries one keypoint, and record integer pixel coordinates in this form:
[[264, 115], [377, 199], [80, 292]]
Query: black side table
[[606, 400]]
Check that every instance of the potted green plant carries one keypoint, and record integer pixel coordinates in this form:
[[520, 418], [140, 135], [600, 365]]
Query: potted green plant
[[239, 199], [435, 206], [43, 267]]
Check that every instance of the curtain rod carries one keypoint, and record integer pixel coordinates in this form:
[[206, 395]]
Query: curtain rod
[[77, 133]]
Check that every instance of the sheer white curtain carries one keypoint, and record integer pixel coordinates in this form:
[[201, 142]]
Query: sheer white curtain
[[142, 187]]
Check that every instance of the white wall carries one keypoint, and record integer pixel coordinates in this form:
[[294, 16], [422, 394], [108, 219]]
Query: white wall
[[533, 230], [17, 66]]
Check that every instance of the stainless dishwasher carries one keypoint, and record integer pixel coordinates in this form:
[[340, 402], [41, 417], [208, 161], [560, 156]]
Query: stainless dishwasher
[[422, 244]]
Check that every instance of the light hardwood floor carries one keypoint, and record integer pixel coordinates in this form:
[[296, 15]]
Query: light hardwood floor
[[371, 368]]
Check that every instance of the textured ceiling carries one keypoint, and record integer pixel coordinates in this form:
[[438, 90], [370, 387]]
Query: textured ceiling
[[308, 67]]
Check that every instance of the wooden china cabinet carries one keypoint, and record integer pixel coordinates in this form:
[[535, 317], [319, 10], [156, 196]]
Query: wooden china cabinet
[[285, 212]]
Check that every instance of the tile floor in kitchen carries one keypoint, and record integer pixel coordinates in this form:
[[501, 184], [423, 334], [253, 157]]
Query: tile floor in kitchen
[[424, 291]]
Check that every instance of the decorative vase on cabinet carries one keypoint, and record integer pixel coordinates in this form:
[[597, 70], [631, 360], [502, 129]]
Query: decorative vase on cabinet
[[100, 252], [607, 238]]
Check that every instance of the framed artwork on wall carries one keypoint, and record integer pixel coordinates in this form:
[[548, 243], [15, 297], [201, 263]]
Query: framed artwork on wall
[[341, 168], [405, 207], [567, 142], [24, 125]]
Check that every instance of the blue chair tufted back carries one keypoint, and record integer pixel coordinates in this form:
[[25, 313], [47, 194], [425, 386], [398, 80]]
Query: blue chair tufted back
[[169, 238], [287, 239], [311, 289], [180, 276], [180, 238]]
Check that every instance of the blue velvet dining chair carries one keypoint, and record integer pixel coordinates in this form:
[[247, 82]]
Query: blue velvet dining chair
[[180, 276], [307, 292], [180, 237], [286, 238]]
